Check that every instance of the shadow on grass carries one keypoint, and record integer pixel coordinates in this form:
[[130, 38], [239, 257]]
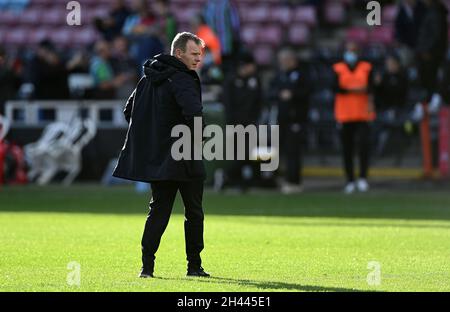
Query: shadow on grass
[[265, 285]]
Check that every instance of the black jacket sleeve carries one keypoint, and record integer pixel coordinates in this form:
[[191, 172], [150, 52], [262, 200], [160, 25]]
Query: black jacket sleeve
[[186, 92], [130, 102], [303, 87], [129, 106]]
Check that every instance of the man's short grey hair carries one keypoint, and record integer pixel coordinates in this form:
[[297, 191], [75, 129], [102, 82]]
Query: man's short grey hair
[[181, 39]]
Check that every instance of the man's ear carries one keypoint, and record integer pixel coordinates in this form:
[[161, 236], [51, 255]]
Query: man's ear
[[178, 53]]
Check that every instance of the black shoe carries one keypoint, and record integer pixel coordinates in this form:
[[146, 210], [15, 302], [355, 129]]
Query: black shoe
[[146, 273], [197, 272]]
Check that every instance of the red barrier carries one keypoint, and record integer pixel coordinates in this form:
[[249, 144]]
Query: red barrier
[[2, 160], [425, 137], [20, 175], [444, 141]]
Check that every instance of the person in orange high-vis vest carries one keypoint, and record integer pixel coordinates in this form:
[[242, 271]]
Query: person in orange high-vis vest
[[212, 42], [354, 111]]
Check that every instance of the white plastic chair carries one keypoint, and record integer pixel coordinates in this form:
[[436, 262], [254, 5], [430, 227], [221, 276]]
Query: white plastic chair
[[4, 127], [35, 153], [65, 154]]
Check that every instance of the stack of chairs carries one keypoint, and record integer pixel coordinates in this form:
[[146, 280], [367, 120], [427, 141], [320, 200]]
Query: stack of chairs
[[59, 149]]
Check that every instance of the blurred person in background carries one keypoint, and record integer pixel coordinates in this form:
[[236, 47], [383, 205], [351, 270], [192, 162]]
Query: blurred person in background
[[390, 93], [444, 84], [166, 21], [212, 42], [353, 112], [290, 91], [407, 24], [431, 46], [101, 70], [48, 73], [210, 70], [111, 26], [143, 32], [242, 98], [9, 80], [124, 64], [223, 17], [79, 62]]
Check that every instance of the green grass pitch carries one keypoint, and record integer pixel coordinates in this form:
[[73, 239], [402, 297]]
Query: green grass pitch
[[263, 241]]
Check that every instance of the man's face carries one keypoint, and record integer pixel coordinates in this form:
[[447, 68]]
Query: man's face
[[120, 45], [392, 65], [286, 61], [192, 57]]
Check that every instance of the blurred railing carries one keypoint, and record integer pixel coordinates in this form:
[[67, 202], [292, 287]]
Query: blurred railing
[[39, 113]]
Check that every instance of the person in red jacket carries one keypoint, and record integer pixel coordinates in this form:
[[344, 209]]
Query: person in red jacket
[[353, 112]]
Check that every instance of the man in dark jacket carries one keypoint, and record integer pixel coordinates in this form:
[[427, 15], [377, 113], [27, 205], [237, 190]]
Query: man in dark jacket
[[48, 73], [432, 45], [407, 22], [168, 95], [242, 99], [290, 91]]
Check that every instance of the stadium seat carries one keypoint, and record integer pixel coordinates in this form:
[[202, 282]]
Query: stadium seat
[[298, 34], [100, 10], [306, 15], [334, 13], [61, 37], [258, 14], [17, 37], [382, 34], [357, 34], [389, 14], [40, 3], [272, 35], [183, 26], [55, 16], [8, 18], [87, 16], [185, 14], [249, 33], [263, 55], [38, 34], [184, 2], [84, 36], [31, 16], [281, 14]]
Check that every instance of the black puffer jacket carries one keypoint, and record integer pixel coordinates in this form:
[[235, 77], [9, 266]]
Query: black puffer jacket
[[433, 33], [169, 94]]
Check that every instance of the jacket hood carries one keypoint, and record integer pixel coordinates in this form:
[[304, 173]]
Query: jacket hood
[[162, 66]]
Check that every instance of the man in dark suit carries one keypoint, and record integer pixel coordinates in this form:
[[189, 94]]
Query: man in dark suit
[[290, 91], [168, 95]]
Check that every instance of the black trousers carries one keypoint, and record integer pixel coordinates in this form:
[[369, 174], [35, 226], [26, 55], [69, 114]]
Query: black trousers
[[355, 135], [234, 173], [163, 196], [428, 73], [291, 141]]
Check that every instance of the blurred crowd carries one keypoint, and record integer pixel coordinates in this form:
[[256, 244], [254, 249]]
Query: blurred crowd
[[381, 86]]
